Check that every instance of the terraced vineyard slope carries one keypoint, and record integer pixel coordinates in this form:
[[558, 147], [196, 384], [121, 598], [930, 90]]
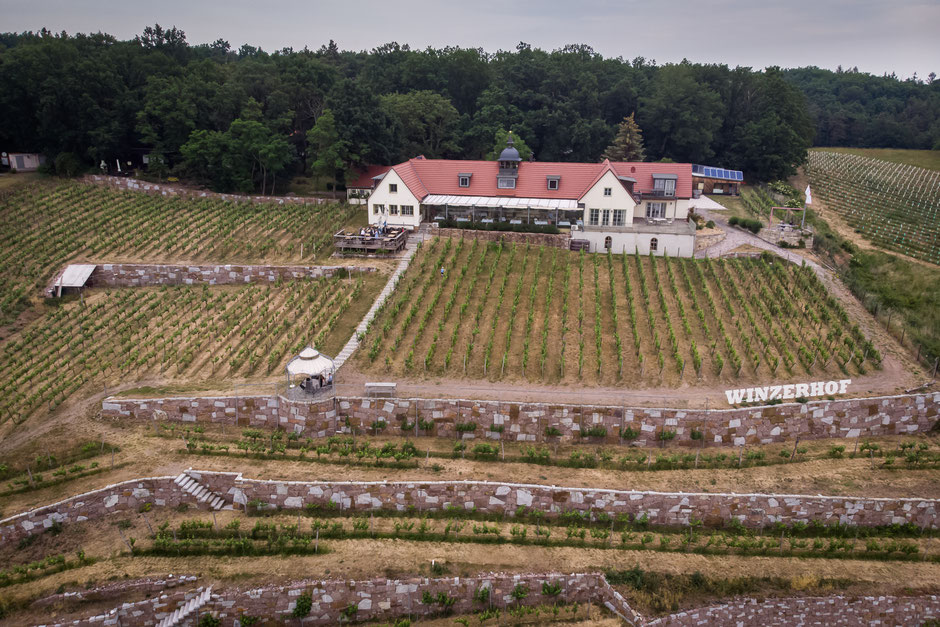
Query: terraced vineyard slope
[[512, 312], [895, 206], [42, 226], [179, 333]]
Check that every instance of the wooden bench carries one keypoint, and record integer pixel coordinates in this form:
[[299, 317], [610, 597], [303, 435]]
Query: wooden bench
[[381, 389]]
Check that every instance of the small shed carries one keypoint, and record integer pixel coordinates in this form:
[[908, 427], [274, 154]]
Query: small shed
[[75, 276], [22, 161]]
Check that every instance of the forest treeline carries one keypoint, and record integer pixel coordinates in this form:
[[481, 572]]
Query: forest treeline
[[246, 119]]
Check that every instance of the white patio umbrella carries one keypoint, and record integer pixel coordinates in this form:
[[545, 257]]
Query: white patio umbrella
[[310, 362]]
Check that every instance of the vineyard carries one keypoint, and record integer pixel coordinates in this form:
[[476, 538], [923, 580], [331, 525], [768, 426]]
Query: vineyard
[[42, 227], [518, 312], [175, 333], [896, 206]]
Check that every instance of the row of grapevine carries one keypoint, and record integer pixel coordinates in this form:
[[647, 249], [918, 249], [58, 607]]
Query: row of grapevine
[[894, 205], [725, 318], [177, 333], [44, 226]]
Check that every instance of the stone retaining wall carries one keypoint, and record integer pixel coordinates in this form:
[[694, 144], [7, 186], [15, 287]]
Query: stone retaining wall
[[374, 600], [162, 189], [142, 275], [388, 599], [661, 508], [532, 422], [140, 587], [834, 610], [127, 496], [549, 240]]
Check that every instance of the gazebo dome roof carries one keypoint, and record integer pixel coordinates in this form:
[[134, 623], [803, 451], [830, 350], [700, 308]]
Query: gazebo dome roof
[[310, 362]]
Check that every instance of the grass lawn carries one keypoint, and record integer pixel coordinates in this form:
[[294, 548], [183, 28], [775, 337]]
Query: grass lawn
[[890, 283], [929, 159]]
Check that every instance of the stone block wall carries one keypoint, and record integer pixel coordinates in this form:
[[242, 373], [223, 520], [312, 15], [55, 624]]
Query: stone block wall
[[374, 600], [662, 508], [834, 610], [387, 599], [137, 274], [549, 240], [162, 189], [127, 496], [531, 422], [142, 274], [140, 587]]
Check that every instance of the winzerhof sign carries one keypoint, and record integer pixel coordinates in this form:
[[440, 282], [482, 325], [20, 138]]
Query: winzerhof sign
[[787, 391]]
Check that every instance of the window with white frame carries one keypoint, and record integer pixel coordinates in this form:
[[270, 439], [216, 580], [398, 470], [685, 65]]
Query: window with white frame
[[594, 217], [463, 181], [553, 182], [607, 191], [392, 188], [407, 210], [506, 183], [605, 218], [377, 209], [655, 210], [393, 210], [666, 186], [619, 217]]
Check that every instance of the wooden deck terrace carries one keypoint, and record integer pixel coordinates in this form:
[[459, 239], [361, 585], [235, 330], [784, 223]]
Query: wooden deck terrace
[[352, 242]]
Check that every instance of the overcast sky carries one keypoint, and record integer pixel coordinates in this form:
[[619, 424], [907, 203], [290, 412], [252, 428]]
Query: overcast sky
[[901, 36]]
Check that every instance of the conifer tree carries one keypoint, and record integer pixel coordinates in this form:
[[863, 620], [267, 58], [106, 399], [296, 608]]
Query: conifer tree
[[628, 143]]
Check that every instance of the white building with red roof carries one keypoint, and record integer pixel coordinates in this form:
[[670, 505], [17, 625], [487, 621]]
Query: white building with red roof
[[622, 206]]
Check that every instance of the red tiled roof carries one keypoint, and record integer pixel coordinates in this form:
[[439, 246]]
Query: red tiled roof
[[440, 176], [365, 176]]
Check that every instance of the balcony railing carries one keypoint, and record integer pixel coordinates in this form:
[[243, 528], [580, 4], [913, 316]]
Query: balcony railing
[[658, 193]]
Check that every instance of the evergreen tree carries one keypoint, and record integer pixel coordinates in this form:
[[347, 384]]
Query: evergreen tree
[[628, 143], [500, 139]]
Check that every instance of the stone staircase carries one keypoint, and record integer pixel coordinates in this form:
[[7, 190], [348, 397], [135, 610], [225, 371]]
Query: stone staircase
[[200, 492], [411, 247], [188, 608]]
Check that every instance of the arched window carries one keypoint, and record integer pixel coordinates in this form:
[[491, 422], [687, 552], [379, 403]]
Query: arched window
[[654, 245], [608, 242]]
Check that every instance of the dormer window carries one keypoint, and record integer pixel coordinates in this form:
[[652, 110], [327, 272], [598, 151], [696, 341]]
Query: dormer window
[[553, 182], [506, 183], [463, 179], [392, 188]]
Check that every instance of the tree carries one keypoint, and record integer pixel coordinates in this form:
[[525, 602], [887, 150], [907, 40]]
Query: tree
[[628, 143], [499, 144], [680, 116], [235, 159], [427, 122], [329, 151], [363, 124]]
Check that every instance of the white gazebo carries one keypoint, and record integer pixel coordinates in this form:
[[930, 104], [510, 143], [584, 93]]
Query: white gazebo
[[309, 363]]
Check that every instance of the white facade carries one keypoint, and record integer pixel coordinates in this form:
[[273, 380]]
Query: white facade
[[386, 205], [675, 244], [614, 220]]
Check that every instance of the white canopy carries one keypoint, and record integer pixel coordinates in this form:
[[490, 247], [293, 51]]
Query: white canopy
[[705, 203], [500, 201], [75, 275], [310, 362]]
